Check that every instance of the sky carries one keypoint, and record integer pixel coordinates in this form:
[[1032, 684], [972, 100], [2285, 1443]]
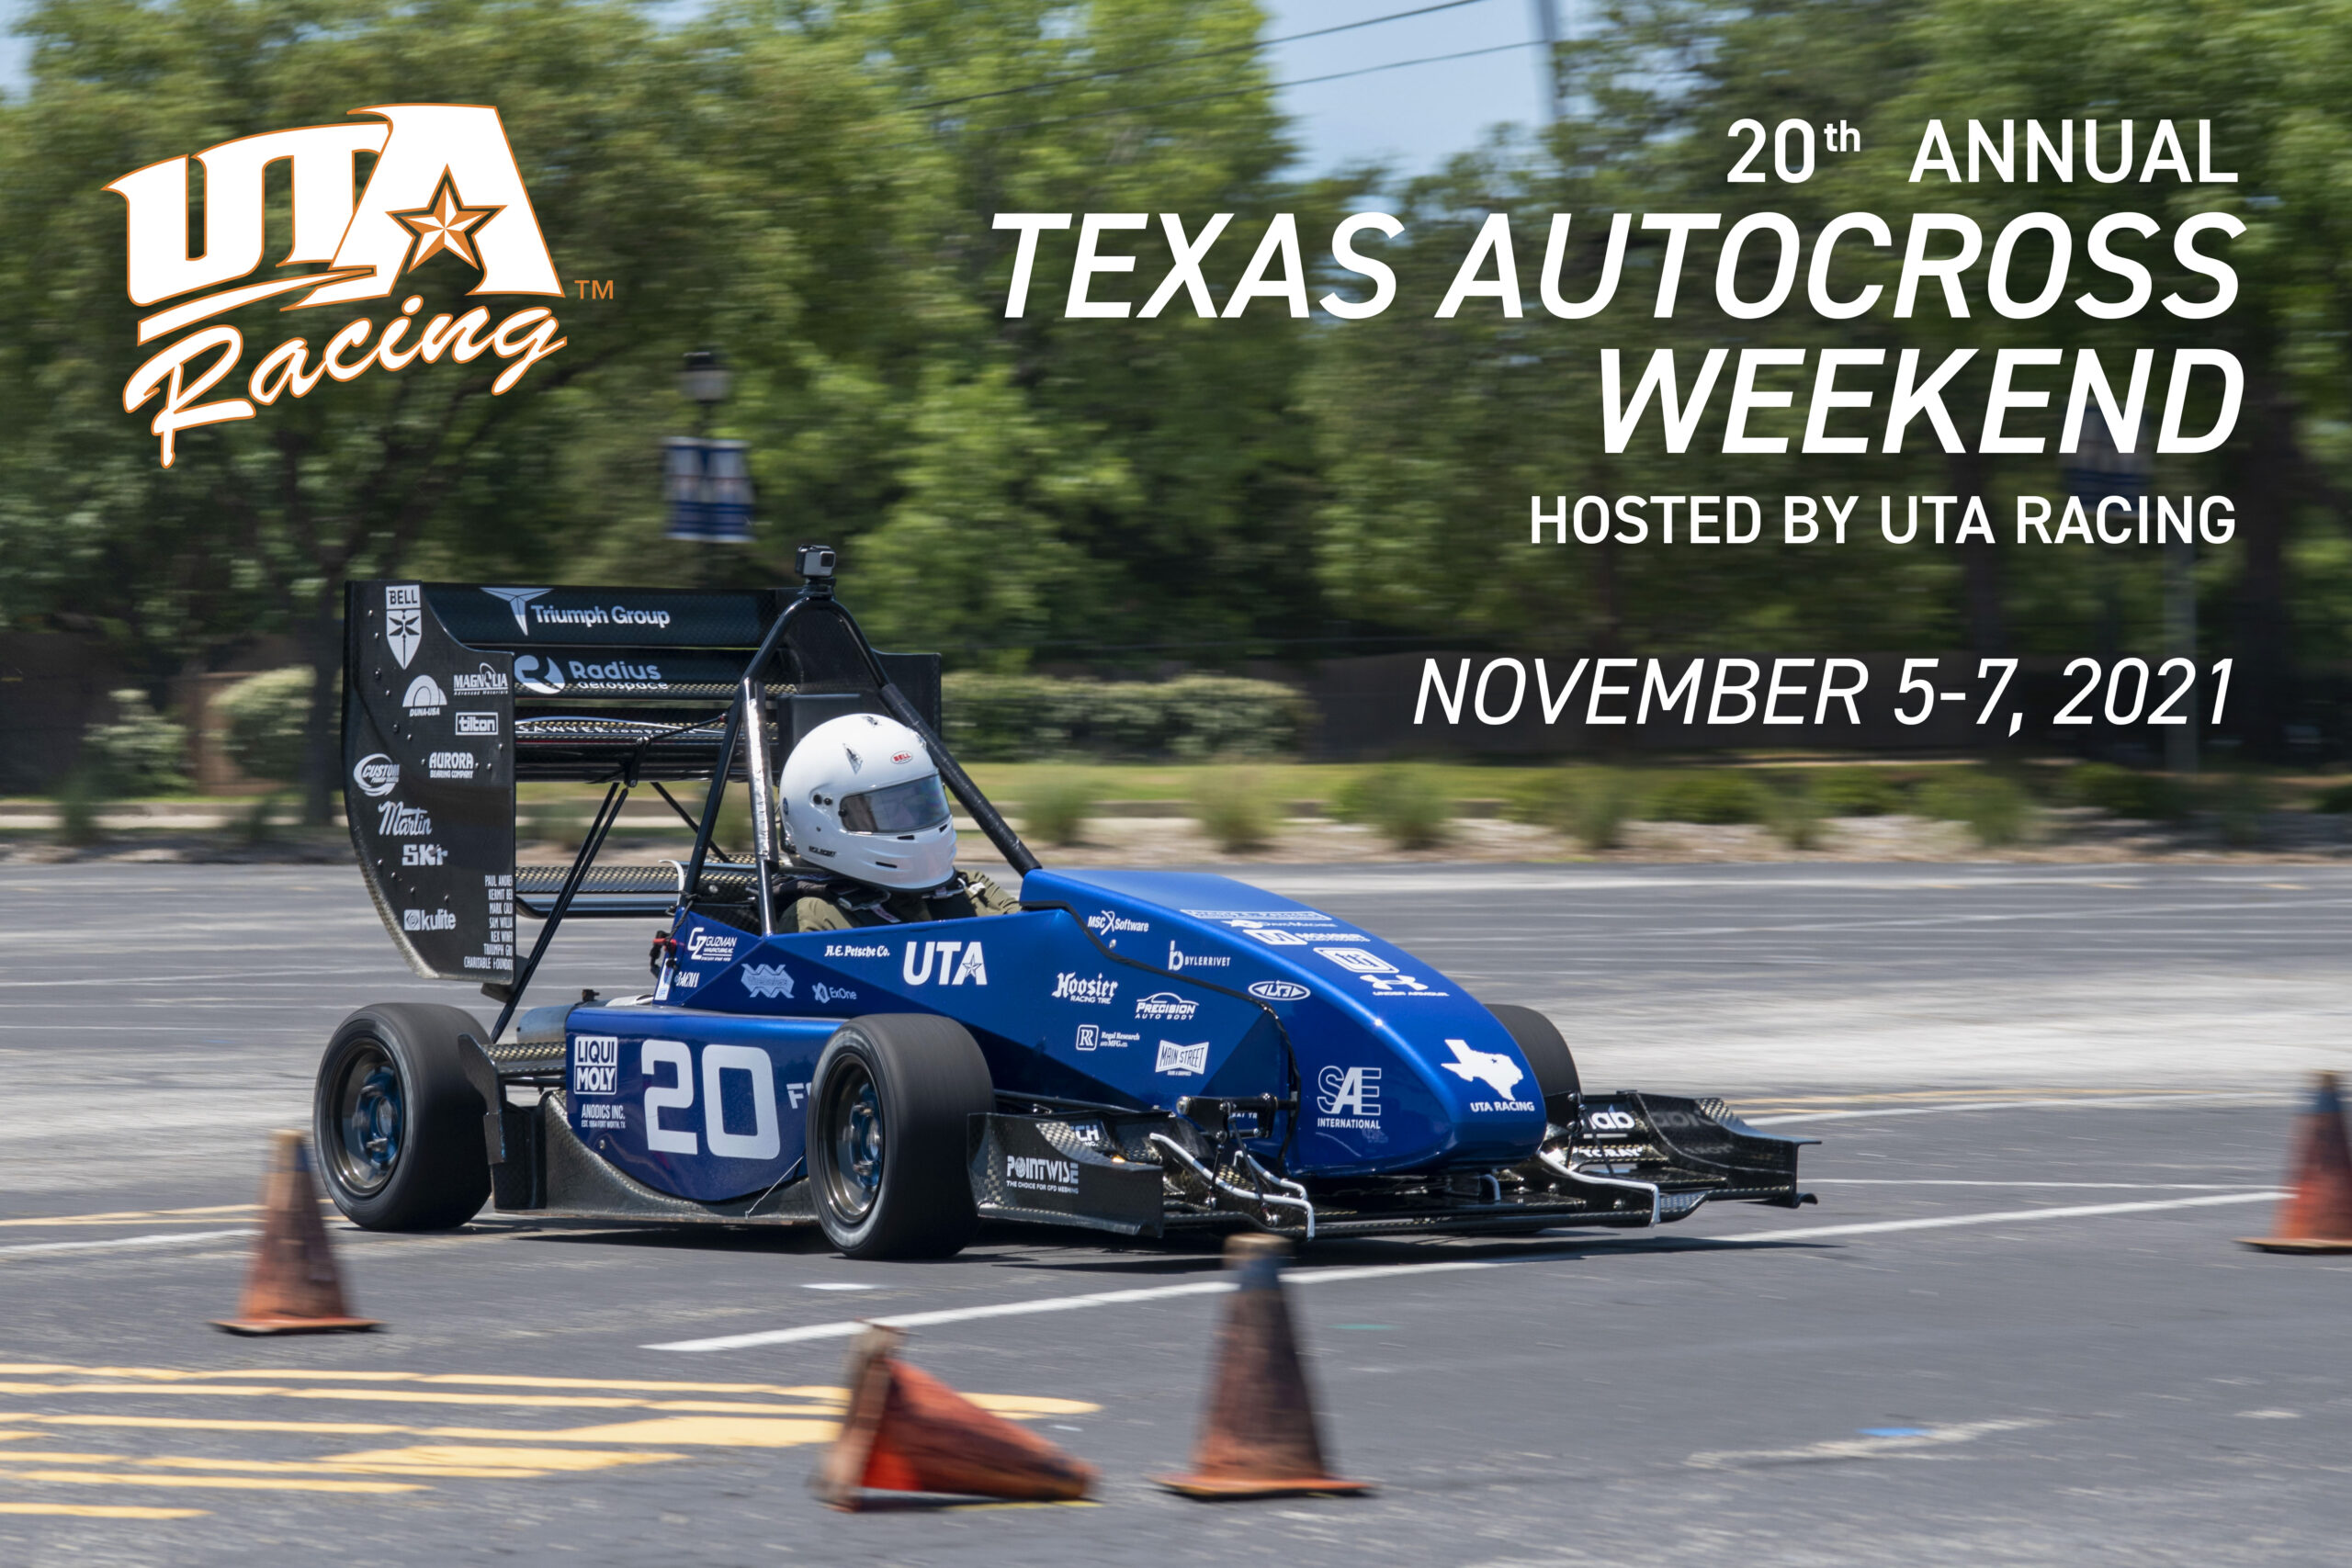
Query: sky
[[1411, 117]]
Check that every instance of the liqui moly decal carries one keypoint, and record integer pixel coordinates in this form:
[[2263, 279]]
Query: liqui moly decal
[[445, 184]]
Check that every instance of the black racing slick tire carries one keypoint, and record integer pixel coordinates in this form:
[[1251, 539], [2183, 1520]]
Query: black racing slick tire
[[1539, 1041], [397, 1123], [890, 1107]]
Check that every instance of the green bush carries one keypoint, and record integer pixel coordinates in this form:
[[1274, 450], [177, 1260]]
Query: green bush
[[263, 723], [1714, 795], [1054, 806], [1013, 717], [2243, 801], [2121, 792], [1591, 805], [1408, 804], [2337, 799], [1796, 814], [78, 799], [562, 820], [1857, 791], [1236, 809], [1997, 810], [140, 752]]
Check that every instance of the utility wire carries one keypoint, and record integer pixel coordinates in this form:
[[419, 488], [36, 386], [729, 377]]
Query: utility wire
[[1187, 59], [1275, 86]]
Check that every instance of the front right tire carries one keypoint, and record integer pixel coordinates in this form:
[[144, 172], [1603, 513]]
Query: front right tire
[[1539, 1040], [889, 1107]]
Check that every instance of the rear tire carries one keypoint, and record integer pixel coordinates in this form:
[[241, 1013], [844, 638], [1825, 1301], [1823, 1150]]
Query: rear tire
[[397, 1122], [890, 1108], [1540, 1041]]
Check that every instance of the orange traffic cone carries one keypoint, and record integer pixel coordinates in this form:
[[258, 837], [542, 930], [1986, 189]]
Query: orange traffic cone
[[906, 1431], [293, 1287], [1258, 1438], [2317, 1214]]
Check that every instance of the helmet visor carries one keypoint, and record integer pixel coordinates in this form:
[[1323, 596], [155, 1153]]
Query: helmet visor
[[907, 808]]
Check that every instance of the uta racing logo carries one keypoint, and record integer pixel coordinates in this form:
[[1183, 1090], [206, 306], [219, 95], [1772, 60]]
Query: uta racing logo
[[445, 183]]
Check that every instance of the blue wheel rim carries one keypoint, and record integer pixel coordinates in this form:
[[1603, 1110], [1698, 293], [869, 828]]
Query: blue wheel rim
[[369, 1122]]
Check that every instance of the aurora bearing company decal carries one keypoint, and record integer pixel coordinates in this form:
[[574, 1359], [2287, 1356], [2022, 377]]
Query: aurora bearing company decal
[[1280, 991], [443, 183]]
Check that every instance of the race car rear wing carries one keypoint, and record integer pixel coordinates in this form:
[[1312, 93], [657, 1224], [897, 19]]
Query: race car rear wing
[[453, 692]]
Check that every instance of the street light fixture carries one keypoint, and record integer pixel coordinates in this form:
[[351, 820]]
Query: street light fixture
[[703, 381]]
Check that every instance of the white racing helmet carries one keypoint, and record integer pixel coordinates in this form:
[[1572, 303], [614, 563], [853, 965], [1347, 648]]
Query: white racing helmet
[[862, 796]]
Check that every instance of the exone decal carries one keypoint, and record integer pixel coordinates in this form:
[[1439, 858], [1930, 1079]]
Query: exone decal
[[445, 183]]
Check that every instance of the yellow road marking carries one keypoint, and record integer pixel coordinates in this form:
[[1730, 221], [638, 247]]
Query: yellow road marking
[[1011, 1404], [215, 1482], [442, 1459], [137, 1218], [450, 1457], [381, 1395], [200, 1424], [104, 1511], [174, 1374], [775, 1416], [755, 1432], [709, 1431]]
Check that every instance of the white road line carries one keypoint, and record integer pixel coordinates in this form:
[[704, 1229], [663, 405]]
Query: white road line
[[2011, 1216], [2117, 1101], [161, 1239], [2124, 1186], [842, 1330]]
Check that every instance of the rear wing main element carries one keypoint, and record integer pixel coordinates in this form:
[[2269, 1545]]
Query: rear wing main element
[[453, 692]]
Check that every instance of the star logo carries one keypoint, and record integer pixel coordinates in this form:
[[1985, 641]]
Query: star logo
[[444, 225]]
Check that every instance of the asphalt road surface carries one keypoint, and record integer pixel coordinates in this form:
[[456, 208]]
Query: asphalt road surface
[[2016, 1330]]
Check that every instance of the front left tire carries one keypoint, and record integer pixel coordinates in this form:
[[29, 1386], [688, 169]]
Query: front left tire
[[890, 1108], [397, 1123]]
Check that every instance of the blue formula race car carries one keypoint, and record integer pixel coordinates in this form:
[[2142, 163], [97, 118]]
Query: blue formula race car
[[1126, 1052]]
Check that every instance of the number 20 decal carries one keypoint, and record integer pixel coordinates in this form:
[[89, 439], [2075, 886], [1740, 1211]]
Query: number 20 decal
[[765, 1141]]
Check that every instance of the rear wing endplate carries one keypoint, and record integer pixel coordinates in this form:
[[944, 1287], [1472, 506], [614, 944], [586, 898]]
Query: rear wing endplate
[[453, 692]]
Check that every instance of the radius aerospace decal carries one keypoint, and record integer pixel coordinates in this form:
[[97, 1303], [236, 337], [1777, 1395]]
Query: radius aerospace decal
[[445, 183]]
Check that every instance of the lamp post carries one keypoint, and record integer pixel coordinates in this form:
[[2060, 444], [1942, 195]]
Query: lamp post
[[709, 480], [703, 381]]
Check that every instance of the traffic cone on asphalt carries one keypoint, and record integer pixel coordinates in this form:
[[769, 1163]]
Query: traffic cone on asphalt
[[2317, 1214], [293, 1287], [1258, 1438], [906, 1431]]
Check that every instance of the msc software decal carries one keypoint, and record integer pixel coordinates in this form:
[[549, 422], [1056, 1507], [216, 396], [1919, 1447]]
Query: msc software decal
[[445, 183]]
